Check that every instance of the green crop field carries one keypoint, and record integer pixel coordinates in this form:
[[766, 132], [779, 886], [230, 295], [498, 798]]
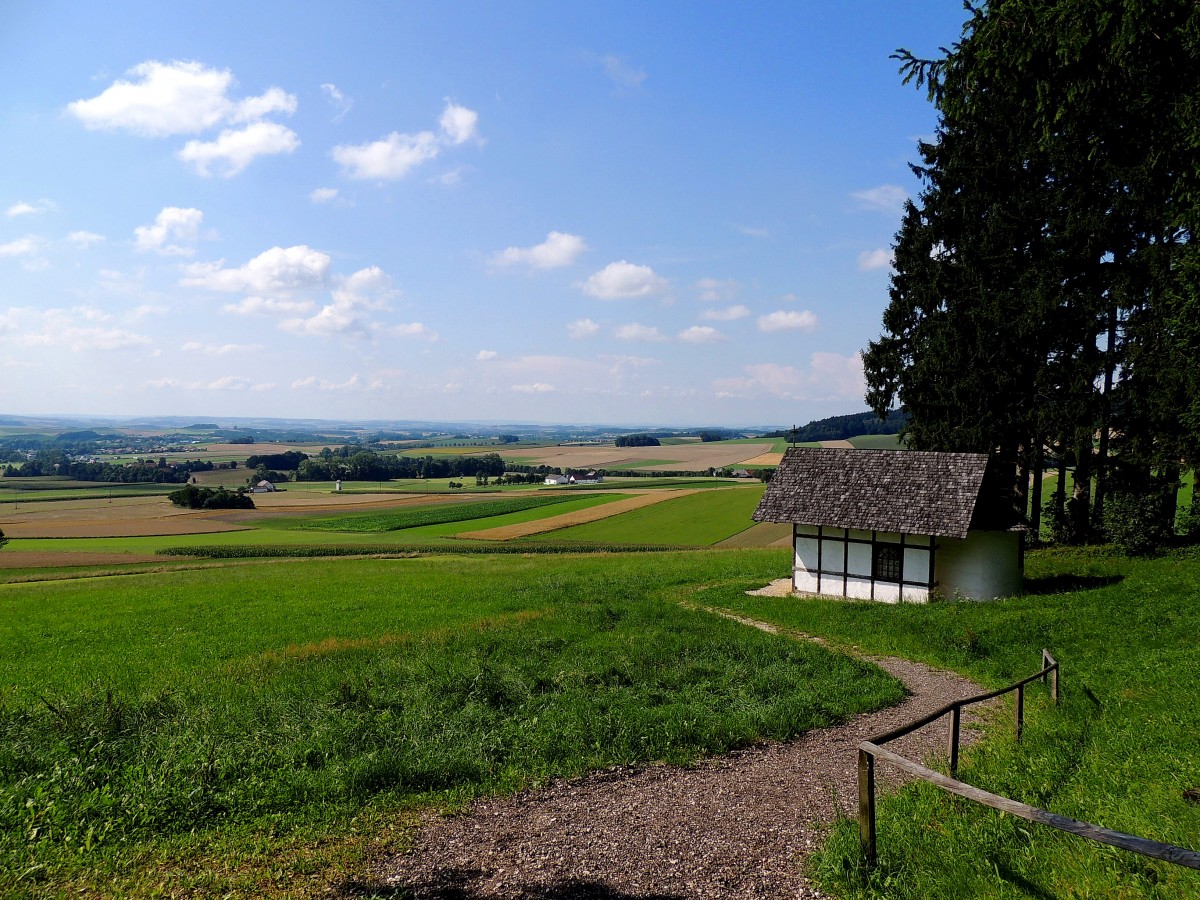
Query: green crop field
[[396, 520], [696, 520], [259, 728], [877, 442]]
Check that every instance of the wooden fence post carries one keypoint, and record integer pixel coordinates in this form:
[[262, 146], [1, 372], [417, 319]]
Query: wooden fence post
[[955, 722], [866, 805], [1020, 710]]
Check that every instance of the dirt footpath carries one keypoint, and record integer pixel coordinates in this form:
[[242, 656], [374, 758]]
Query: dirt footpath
[[741, 825]]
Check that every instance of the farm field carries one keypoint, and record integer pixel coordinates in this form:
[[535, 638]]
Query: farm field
[[701, 520], [130, 531], [261, 728]]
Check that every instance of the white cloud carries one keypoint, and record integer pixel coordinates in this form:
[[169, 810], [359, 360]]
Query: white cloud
[[78, 329], [273, 272], [620, 280], [172, 223], [411, 329], [338, 100], [638, 332], [539, 387], [582, 328], [225, 383], [233, 151], [869, 260], [485, 355], [887, 198], [365, 291], [218, 349], [21, 208], [729, 314], [26, 246], [700, 334], [458, 123], [830, 376], [784, 320], [559, 249], [622, 73], [268, 306], [713, 290], [85, 239], [323, 195], [353, 383], [398, 154], [175, 98], [393, 157]]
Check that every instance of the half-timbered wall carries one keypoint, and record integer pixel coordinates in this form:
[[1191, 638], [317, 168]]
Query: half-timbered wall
[[864, 565]]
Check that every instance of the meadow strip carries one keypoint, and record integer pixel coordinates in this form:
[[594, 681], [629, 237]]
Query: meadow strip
[[577, 517], [432, 515]]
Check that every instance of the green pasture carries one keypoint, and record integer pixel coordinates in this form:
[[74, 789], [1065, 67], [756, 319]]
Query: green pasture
[[420, 516], [1120, 751], [877, 442], [262, 729], [696, 520]]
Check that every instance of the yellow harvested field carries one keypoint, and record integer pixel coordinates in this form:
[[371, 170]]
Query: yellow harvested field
[[566, 520], [838, 445], [691, 457], [764, 459]]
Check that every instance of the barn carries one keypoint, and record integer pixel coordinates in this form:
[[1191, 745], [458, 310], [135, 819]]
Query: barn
[[896, 525]]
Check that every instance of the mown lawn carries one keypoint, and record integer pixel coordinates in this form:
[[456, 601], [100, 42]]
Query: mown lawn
[[1120, 751], [262, 729]]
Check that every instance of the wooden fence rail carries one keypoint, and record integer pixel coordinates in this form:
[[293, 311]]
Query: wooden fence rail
[[869, 751]]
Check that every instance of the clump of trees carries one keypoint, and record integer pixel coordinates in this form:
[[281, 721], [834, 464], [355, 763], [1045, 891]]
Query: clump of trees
[[356, 464], [146, 471], [636, 440], [287, 461], [192, 497], [839, 428], [1045, 299]]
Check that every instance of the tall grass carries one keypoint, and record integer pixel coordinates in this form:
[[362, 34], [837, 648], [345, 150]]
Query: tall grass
[[146, 721], [1121, 751]]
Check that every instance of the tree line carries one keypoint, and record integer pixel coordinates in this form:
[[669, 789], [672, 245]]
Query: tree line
[[1045, 299]]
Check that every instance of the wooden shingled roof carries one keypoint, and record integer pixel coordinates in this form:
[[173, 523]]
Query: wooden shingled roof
[[910, 491]]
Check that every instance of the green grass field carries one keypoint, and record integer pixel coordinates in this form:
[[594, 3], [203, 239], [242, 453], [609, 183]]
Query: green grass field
[[1120, 751], [257, 728], [690, 520], [876, 442]]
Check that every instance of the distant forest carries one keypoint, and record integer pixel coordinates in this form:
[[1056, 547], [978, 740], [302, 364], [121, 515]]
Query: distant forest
[[840, 428]]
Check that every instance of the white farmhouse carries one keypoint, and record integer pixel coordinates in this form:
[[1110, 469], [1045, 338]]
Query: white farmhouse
[[895, 525]]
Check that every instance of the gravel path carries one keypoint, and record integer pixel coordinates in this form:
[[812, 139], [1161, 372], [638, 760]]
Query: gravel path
[[740, 825]]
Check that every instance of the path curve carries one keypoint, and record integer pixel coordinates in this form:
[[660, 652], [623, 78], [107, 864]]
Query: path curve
[[739, 825]]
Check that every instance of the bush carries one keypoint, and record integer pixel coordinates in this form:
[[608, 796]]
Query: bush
[[192, 497], [1134, 522]]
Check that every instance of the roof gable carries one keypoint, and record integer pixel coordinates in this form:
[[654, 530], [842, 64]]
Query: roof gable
[[910, 491]]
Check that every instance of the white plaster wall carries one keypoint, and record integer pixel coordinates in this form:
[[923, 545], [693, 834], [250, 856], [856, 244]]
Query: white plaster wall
[[983, 566], [858, 588]]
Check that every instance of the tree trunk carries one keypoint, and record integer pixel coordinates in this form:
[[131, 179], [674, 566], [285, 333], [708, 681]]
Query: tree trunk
[[1110, 356], [1035, 506]]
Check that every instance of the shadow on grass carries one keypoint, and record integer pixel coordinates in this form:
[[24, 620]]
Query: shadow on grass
[[467, 884], [1065, 584], [1020, 881]]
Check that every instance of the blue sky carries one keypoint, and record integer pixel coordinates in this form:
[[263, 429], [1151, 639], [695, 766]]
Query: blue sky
[[624, 213]]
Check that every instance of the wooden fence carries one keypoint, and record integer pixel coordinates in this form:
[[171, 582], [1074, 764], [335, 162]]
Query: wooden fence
[[869, 751]]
